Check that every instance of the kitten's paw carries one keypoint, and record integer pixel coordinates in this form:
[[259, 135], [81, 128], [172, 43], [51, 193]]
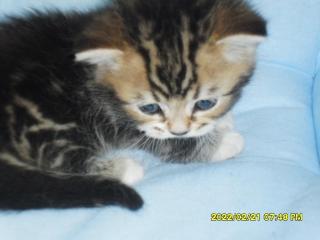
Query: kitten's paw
[[124, 169], [232, 143], [133, 172]]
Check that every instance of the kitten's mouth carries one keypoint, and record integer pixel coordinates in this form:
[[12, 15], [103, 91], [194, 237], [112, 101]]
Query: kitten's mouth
[[164, 136], [179, 134]]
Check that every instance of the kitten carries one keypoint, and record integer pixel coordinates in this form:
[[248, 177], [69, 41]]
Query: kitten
[[160, 76]]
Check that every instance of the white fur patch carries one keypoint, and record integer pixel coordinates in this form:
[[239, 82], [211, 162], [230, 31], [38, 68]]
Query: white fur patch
[[226, 123], [133, 172], [232, 143], [101, 57]]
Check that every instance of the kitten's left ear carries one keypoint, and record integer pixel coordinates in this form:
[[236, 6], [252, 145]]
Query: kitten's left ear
[[101, 57], [239, 46]]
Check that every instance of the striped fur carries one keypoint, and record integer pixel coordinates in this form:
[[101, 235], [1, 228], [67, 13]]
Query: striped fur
[[175, 53], [72, 84]]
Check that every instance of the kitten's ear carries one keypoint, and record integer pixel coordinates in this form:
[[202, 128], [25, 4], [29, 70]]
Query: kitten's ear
[[239, 46], [102, 57]]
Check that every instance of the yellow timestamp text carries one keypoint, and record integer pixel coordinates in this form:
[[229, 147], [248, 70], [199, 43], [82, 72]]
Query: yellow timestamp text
[[256, 217]]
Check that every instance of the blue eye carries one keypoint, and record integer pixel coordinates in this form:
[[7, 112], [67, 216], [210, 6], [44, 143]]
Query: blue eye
[[150, 108], [204, 105]]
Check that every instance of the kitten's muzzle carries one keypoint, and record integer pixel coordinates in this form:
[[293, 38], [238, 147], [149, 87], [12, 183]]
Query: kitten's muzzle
[[179, 133]]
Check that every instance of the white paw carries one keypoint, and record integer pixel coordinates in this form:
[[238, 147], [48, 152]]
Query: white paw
[[232, 143], [133, 172]]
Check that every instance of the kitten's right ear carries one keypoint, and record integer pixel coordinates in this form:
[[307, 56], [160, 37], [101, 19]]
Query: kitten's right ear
[[239, 46], [101, 57]]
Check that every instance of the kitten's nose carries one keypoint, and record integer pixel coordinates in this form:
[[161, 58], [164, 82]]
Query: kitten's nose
[[179, 133]]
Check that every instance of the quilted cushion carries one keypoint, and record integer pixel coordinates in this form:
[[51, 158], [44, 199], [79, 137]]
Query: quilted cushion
[[316, 104]]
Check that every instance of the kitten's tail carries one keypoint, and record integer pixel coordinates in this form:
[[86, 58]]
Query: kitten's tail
[[22, 189]]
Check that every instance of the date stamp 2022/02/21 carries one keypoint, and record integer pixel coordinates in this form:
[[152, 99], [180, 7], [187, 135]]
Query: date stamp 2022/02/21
[[256, 217]]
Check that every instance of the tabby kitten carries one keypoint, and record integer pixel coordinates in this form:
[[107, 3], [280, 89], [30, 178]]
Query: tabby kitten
[[156, 75]]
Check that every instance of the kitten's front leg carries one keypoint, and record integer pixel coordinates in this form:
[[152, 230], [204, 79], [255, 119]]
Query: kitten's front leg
[[230, 143], [124, 169]]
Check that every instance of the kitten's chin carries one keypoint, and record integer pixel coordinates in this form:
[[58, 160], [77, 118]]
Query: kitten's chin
[[203, 131], [159, 136], [192, 134]]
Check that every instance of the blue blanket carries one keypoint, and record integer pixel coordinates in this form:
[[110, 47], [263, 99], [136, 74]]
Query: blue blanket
[[277, 173]]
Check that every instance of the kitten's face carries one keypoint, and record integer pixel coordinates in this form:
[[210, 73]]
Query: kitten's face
[[174, 96], [207, 92], [177, 80]]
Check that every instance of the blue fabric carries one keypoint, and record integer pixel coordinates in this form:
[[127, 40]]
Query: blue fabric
[[8, 7], [316, 104], [277, 173]]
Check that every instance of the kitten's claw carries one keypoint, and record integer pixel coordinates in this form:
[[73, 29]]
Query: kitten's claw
[[232, 143]]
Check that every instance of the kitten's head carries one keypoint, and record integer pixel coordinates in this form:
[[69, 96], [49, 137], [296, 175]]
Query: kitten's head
[[177, 65]]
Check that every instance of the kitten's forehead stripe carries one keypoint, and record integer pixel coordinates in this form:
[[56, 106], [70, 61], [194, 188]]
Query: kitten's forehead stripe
[[196, 93], [170, 61], [158, 90], [154, 85], [156, 97]]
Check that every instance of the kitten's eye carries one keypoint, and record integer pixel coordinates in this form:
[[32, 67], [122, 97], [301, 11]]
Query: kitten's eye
[[150, 108], [204, 105]]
